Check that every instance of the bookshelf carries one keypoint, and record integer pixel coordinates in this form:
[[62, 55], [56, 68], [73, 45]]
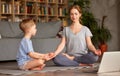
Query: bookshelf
[[39, 10]]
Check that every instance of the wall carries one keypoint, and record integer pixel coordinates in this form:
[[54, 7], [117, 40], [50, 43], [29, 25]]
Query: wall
[[118, 18], [110, 8]]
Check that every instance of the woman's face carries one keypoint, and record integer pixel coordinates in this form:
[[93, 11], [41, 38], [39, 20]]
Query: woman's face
[[75, 15]]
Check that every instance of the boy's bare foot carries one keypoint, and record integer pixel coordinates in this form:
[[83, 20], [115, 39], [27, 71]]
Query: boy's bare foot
[[86, 64], [38, 68], [35, 68], [42, 66], [68, 56]]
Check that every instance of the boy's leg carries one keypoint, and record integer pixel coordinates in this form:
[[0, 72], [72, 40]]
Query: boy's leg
[[62, 60], [36, 64], [89, 58]]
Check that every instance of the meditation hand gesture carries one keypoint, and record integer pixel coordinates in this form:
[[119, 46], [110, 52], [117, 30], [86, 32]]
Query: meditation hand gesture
[[49, 56], [98, 52]]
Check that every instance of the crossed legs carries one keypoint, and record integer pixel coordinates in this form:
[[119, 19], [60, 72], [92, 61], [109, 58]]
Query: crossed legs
[[66, 60], [36, 64]]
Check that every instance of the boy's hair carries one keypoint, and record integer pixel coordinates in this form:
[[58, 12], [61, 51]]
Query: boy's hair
[[26, 23]]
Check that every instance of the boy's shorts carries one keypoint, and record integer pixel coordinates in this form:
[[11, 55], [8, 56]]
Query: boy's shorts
[[22, 67]]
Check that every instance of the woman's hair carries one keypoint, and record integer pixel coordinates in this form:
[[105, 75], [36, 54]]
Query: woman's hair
[[78, 8], [26, 23]]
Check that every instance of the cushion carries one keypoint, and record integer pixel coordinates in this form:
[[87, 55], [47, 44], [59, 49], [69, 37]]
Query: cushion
[[16, 30], [48, 29], [9, 29], [44, 30]]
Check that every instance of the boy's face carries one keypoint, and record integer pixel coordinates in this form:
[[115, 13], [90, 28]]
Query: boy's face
[[33, 30]]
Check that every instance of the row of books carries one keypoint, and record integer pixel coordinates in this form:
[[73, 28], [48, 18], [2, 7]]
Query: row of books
[[61, 1], [51, 11], [51, 1], [42, 10], [6, 8], [35, 0], [30, 8], [18, 7]]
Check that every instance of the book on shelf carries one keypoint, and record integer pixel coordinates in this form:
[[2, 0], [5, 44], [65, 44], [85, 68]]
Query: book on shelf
[[41, 0], [61, 1], [61, 11], [17, 7], [51, 11], [51, 1], [30, 8], [22, 9], [42, 10]]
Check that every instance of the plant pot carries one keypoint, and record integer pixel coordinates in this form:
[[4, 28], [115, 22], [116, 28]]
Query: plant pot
[[103, 47]]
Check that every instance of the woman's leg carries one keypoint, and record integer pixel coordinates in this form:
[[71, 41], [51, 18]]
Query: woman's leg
[[89, 58], [62, 60]]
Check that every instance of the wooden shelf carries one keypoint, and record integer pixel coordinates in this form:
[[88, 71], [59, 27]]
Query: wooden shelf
[[44, 10]]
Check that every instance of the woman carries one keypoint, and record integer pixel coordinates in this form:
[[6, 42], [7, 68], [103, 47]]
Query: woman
[[77, 39]]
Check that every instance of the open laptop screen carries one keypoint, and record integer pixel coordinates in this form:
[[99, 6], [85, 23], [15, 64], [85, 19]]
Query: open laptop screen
[[110, 62]]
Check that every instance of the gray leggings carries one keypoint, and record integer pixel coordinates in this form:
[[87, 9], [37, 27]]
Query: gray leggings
[[62, 60]]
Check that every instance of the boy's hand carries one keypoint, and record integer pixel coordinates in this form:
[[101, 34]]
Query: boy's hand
[[98, 52]]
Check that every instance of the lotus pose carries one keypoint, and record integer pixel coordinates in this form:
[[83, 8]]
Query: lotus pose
[[27, 58], [77, 39]]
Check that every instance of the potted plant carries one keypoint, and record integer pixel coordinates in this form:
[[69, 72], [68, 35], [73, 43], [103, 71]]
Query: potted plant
[[104, 36]]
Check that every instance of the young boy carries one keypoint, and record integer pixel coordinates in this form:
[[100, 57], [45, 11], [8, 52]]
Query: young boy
[[27, 59]]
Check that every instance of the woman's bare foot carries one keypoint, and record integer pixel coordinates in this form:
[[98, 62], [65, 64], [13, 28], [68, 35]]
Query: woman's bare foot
[[81, 64], [68, 56]]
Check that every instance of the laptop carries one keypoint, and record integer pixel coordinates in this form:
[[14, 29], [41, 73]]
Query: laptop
[[110, 62]]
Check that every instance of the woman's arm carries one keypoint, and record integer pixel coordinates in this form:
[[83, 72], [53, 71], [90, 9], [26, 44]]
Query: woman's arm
[[91, 46], [60, 46]]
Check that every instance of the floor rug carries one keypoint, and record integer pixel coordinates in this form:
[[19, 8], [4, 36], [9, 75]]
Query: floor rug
[[13, 70], [46, 69]]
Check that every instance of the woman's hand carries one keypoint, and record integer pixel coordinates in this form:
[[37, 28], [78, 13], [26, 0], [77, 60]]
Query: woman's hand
[[49, 56], [98, 52]]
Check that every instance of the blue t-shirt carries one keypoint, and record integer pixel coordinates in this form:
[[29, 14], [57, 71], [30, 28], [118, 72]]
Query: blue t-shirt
[[24, 48], [76, 43]]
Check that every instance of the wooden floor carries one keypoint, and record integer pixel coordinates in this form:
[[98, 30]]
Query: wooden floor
[[75, 72], [64, 73]]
